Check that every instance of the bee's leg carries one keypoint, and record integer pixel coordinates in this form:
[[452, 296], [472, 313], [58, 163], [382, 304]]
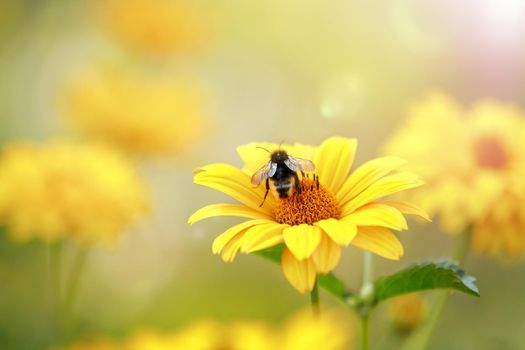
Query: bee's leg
[[297, 183], [266, 194], [317, 181]]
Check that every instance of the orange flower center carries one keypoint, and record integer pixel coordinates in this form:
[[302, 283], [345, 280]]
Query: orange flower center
[[490, 153], [312, 204]]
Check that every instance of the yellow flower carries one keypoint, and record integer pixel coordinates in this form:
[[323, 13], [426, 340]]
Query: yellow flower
[[315, 223], [329, 331], [160, 27], [473, 163], [64, 189], [207, 335], [139, 113], [302, 331], [408, 311]]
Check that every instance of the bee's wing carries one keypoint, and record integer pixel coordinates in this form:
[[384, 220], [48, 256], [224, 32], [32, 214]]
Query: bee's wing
[[299, 164], [268, 170]]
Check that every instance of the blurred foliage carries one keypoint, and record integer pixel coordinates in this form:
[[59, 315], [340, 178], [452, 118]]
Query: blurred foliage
[[25, 306]]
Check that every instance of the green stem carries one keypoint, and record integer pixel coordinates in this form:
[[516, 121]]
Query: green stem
[[364, 332], [420, 339], [462, 245], [55, 268], [64, 294], [368, 272], [75, 280], [368, 268], [314, 299]]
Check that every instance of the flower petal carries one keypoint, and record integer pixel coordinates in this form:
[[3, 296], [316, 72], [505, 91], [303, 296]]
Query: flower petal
[[327, 255], [302, 240], [226, 210], [407, 208], [379, 240], [300, 273], [376, 214], [220, 242], [383, 187], [365, 175], [340, 232], [262, 237], [253, 157], [233, 182], [303, 151], [230, 250], [333, 160]]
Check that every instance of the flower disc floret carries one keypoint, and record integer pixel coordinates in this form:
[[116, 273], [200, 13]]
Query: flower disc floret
[[312, 204]]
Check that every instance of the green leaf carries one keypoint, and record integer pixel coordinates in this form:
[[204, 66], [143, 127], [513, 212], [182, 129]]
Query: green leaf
[[424, 276], [329, 282], [273, 253], [333, 285]]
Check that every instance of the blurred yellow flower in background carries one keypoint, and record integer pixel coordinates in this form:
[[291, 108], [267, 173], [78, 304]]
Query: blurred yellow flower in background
[[64, 189], [137, 112], [408, 311], [329, 330], [302, 331], [315, 223], [474, 165], [207, 335], [161, 27]]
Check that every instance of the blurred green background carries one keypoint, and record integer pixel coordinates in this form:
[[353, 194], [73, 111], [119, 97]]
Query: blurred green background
[[273, 70]]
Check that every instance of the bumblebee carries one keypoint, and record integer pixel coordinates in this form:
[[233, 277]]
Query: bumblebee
[[282, 170]]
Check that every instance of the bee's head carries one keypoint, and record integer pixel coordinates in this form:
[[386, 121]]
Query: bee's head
[[279, 156]]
